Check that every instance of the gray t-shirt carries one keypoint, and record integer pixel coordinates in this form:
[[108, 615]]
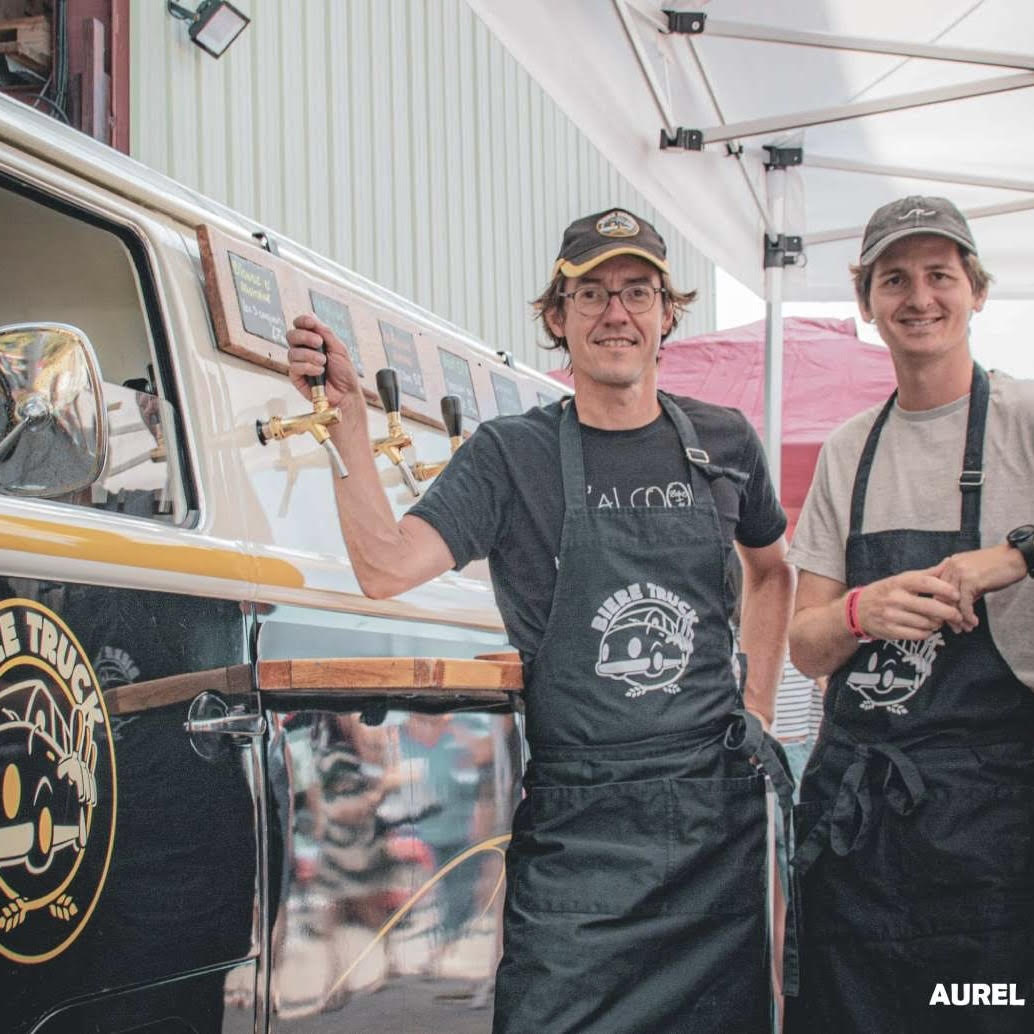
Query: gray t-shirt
[[501, 496], [914, 484]]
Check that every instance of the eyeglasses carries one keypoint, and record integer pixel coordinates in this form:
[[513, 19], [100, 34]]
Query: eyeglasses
[[592, 299]]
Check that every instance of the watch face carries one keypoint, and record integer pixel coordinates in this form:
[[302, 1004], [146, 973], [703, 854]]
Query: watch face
[[1022, 538], [1024, 533]]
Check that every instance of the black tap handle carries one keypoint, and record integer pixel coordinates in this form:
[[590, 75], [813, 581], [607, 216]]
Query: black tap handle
[[388, 389], [321, 378], [452, 415]]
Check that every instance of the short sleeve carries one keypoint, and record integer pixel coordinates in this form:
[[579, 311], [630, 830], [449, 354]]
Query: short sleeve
[[820, 538], [468, 503], [762, 519]]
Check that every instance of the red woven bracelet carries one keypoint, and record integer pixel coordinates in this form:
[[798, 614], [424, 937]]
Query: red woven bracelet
[[853, 624]]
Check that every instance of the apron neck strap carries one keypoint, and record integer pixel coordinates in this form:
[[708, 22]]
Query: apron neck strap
[[572, 468], [972, 476]]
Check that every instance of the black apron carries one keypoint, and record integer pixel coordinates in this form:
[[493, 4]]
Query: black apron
[[915, 856], [636, 875]]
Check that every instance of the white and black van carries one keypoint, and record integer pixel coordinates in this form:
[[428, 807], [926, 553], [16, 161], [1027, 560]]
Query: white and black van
[[236, 794]]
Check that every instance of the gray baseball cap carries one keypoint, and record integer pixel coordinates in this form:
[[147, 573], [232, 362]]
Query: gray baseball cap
[[911, 215]]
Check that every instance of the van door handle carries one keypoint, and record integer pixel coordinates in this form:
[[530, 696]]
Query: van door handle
[[210, 714], [229, 724]]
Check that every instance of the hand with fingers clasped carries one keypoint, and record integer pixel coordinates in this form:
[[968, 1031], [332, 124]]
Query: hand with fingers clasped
[[910, 605], [976, 572]]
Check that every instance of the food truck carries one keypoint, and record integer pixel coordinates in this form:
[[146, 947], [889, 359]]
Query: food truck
[[237, 795]]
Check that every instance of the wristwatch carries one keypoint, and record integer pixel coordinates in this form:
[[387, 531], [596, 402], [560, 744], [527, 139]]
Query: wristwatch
[[1023, 539]]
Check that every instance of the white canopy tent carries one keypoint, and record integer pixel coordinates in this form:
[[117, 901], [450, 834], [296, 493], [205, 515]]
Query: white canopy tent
[[788, 121]]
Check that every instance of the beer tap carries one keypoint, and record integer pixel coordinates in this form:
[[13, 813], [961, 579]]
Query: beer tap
[[397, 439], [452, 417], [314, 423]]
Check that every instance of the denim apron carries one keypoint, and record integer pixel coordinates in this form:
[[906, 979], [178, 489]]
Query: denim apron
[[636, 874], [915, 855]]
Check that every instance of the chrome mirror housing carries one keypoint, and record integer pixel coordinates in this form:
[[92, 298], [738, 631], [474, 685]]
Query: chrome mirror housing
[[53, 424]]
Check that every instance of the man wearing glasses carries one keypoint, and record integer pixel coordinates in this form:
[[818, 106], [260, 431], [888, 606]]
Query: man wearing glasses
[[636, 876]]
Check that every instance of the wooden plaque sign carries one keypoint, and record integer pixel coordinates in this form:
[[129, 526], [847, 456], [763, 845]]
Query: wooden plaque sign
[[456, 371], [252, 295], [507, 395], [258, 300], [402, 354], [338, 317]]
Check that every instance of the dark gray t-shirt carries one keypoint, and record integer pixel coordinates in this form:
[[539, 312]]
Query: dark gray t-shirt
[[501, 496]]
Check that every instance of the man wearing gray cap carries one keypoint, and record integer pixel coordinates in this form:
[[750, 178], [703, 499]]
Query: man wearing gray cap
[[636, 875], [915, 835]]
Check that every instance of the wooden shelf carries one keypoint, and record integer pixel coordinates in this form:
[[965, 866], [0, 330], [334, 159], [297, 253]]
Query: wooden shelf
[[387, 675], [489, 680], [177, 689]]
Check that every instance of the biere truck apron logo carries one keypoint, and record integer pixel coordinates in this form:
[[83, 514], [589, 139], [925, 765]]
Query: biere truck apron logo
[[894, 671], [646, 638]]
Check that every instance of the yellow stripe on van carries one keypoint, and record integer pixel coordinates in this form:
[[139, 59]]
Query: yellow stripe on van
[[50, 538]]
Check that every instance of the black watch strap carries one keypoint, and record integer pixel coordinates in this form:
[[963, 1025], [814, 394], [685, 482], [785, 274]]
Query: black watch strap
[[1023, 540]]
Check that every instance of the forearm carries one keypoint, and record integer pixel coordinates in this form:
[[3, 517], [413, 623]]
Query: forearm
[[368, 524], [765, 618], [820, 640], [388, 556], [910, 605], [385, 556]]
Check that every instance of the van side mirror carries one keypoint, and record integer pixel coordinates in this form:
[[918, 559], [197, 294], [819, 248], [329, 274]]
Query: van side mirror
[[53, 424]]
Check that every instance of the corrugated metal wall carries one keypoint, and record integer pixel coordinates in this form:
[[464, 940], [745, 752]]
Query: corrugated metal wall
[[397, 137]]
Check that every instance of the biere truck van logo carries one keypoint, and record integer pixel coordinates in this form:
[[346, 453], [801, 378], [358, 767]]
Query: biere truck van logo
[[893, 671], [57, 785], [646, 638]]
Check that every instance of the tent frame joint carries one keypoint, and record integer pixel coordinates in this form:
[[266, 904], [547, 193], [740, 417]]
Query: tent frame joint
[[683, 138], [783, 250], [686, 23], [782, 157]]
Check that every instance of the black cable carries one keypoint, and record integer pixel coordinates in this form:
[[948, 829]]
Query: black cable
[[58, 110], [55, 93]]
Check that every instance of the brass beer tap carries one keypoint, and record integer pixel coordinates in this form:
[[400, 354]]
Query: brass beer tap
[[452, 417], [323, 415], [397, 438]]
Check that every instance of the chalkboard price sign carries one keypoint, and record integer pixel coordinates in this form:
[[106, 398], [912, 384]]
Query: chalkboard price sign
[[458, 382], [401, 351], [507, 395], [336, 315], [259, 300]]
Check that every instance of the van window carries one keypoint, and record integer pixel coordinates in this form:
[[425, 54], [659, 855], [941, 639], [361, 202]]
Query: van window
[[59, 265]]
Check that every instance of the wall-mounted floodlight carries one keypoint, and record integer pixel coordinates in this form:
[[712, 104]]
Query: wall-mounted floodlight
[[213, 26]]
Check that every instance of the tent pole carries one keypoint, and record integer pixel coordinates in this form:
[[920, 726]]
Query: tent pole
[[860, 109], [774, 336], [971, 214]]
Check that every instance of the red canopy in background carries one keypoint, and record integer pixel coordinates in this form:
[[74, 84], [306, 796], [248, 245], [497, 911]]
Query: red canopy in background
[[828, 376]]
